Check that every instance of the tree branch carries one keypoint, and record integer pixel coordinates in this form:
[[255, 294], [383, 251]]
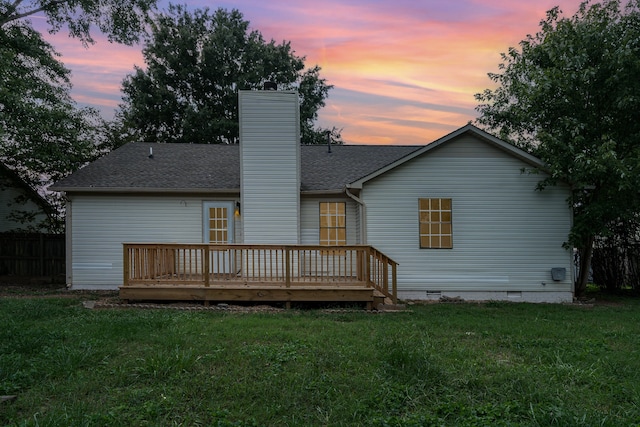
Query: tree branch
[[10, 9], [12, 16]]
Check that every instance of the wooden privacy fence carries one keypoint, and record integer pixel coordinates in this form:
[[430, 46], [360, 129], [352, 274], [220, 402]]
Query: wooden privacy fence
[[32, 254], [211, 265]]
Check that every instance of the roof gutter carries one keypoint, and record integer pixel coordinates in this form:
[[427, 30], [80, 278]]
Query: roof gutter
[[140, 190], [320, 192], [363, 215]]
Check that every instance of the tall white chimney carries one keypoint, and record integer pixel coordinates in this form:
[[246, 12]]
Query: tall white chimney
[[270, 166]]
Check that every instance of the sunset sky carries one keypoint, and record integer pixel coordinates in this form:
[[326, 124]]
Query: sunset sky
[[404, 71]]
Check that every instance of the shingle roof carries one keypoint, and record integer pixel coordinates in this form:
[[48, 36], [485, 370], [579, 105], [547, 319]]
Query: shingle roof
[[216, 168], [9, 177], [322, 170]]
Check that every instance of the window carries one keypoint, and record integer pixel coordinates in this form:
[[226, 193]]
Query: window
[[435, 223], [218, 222], [333, 223]]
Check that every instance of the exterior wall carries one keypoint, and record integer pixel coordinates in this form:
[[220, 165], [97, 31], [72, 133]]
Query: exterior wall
[[8, 205], [270, 166], [506, 235], [511, 296], [310, 220], [100, 224]]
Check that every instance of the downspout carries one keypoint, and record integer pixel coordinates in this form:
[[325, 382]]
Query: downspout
[[363, 215]]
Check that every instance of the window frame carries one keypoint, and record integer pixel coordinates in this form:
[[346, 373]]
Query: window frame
[[334, 222], [435, 223]]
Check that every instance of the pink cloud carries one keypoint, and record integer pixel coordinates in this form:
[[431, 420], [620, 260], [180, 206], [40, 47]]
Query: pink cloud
[[404, 72]]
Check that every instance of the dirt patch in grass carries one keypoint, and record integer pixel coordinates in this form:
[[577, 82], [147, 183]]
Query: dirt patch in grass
[[23, 289], [96, 299]]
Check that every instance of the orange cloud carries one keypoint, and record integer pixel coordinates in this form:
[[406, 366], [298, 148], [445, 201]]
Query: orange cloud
[[404, 72]]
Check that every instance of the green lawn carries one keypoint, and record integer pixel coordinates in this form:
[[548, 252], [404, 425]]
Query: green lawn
[[441, 364]]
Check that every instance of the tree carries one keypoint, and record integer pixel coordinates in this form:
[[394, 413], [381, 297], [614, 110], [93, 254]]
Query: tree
[[571, 95], [44, 136], [122, 20], [195, 64]]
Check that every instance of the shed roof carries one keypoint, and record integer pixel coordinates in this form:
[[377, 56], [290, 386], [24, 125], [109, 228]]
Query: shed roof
[[216, 168]]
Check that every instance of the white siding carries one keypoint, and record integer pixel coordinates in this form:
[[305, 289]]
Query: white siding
[[270, 166], [506, 235], [310, 220], [101, 224]]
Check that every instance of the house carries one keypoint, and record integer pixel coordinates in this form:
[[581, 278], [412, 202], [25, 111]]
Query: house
[[460, 216], [21, 207]]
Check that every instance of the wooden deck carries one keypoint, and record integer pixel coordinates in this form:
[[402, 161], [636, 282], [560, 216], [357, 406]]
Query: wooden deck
[[257, 273]]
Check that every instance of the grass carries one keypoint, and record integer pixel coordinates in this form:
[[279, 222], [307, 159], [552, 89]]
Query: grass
[[493, 364]]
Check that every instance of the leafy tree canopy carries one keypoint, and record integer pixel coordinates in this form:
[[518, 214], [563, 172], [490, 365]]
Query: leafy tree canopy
[[195, 64], [571, 95], [121, 20], [44, 136]]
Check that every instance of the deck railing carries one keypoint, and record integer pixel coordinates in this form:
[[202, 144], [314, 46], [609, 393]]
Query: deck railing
[[212, 265]]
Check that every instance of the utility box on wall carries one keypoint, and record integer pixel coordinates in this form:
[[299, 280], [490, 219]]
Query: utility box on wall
[[558, 274]]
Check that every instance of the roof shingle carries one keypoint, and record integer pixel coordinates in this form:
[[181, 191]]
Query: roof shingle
[[214, 167]]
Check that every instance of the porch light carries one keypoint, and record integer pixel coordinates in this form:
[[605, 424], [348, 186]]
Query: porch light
[[237, 211]]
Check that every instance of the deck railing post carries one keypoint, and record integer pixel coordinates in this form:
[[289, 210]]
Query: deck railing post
[[205, 266], [125, 265], [152, 257], [359, 264], [394, 282], [367, 265], [287, 273], [385, 277]]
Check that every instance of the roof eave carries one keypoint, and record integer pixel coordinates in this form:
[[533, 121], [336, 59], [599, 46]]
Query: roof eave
[[138, 190], [321, 192]]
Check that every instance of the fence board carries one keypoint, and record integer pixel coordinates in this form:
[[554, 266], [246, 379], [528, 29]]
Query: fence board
[[32, 254]]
